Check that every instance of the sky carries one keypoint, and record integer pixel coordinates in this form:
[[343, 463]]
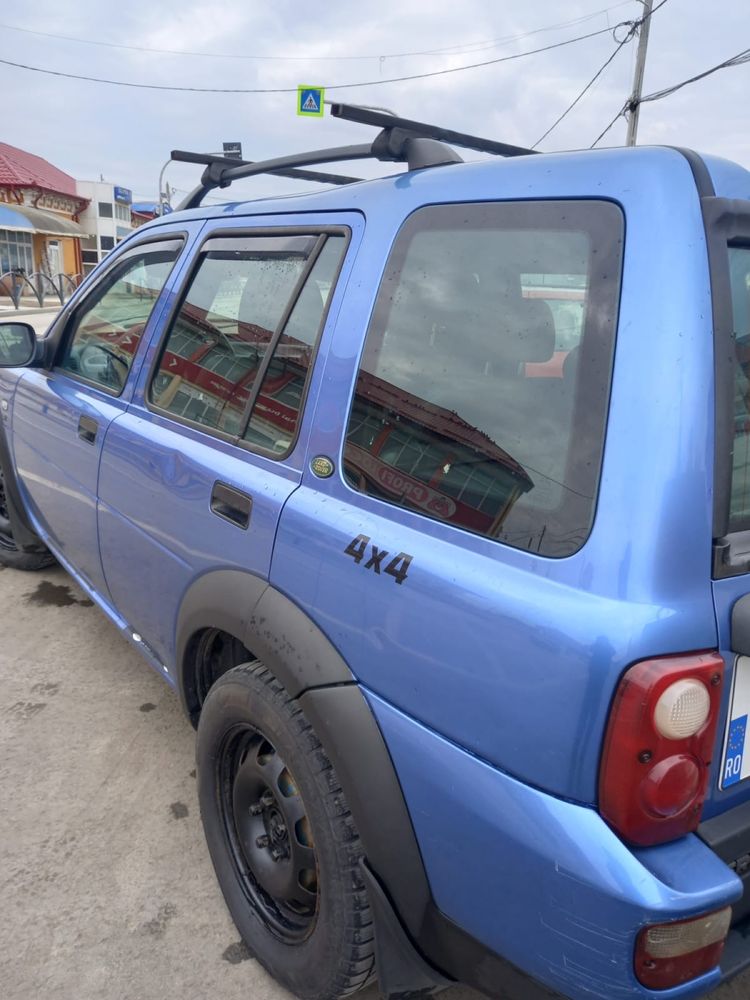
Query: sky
[[125, 134]]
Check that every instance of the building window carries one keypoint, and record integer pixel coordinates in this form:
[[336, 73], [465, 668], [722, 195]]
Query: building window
[[105, 210], [107, 242], [16, 251], [89, 257]]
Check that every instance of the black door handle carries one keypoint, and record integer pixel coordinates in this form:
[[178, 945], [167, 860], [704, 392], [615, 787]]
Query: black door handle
[[87, 429], [231, 504]]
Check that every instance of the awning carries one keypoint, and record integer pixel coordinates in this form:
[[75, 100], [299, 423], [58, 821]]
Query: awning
[[21, 219]]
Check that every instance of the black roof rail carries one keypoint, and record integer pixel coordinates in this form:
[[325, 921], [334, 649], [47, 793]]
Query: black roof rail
[[184, 156], [400, 140], [380, 119]]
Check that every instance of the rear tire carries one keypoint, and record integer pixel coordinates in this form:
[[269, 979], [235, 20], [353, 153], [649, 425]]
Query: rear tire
[[10, 554], [281, 838]]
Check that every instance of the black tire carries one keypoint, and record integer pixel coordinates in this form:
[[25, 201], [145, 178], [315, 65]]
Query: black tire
[[311, 928], [10, 554]]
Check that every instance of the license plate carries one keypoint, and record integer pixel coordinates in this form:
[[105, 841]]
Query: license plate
[[736, 764]]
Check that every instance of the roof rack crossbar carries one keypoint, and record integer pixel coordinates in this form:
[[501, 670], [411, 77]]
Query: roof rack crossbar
[[218, 174], [366, 116], [184, 156], [399, 140]]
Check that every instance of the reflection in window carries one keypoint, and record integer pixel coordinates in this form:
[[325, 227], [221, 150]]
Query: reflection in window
[[220, 336], [273, 423], [229, 319], [739, 269], [481, 396], [109, 325]]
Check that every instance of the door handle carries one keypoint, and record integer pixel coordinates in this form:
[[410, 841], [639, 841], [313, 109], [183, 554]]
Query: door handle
[[232, 505], [87, 429]]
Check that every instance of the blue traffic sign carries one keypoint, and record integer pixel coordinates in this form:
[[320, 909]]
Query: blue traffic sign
[[310, 101]]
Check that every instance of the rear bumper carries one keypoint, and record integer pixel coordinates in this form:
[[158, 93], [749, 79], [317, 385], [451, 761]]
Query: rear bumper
[[542, 882]]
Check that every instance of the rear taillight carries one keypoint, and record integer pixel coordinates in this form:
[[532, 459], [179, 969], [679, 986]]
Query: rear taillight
[[658, 747], [669, 954]]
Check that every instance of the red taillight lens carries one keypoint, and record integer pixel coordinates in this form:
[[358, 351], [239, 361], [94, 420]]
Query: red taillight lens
[[669, 954], [658, 747]]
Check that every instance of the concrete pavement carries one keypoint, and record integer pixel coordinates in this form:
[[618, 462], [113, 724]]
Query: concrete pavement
[[106, 888]]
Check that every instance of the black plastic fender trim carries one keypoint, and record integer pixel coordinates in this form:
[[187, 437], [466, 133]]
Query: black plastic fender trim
[[23, 534], [419, 948], [345, 725], [268, 624]]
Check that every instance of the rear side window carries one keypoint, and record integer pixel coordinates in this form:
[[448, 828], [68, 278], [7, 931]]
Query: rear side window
[[739, 269], [482, 393], [237, 357]]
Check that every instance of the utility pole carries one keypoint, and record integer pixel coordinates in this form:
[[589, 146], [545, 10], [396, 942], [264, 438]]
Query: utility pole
[[640, 64]]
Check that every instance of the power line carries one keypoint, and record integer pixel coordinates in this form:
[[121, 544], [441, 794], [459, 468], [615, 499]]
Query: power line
[[588, 86], [633, 27], [601, 135], [293, 90], [477, 46], [738, 60]]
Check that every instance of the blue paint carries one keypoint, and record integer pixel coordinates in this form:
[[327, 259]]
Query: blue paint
[[491, 670]]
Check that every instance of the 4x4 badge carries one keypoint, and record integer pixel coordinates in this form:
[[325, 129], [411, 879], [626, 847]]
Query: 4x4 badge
[[322, 466]]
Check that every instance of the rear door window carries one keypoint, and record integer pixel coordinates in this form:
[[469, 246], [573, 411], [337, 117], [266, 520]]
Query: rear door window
[[237, 358], [482, 393]]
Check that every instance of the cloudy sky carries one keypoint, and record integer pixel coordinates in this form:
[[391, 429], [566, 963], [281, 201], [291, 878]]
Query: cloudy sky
[[125, 134]]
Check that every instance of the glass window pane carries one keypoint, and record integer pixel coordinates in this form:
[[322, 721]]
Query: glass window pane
[[486, 370], [105, 210], [219, 339], [739, 269], [109, 325], [275, 417]]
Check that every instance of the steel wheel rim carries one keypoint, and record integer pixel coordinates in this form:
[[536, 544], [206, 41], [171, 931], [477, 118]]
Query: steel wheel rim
[[268, 834]]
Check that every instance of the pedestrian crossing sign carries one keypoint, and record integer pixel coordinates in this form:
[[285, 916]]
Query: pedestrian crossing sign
[[310, 101]]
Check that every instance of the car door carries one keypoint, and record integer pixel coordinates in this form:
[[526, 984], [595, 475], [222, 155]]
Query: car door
[[61, 414], [195, 474]]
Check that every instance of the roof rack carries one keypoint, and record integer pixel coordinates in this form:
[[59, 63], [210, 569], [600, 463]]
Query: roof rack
[[400, 140]]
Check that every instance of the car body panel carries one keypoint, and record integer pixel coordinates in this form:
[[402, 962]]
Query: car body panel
[[157, 532], [482, 638]]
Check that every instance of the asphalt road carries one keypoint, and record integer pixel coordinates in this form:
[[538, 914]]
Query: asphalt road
[[106, 889]]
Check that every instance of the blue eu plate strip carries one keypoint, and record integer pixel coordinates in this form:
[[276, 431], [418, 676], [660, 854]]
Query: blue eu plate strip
[[735, 751]]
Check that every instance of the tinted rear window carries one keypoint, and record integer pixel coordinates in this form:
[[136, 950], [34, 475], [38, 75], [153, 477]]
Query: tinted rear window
[[739, 267], [482, 393]]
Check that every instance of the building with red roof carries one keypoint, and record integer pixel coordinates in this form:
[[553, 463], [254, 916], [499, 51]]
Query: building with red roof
[[40, 228]]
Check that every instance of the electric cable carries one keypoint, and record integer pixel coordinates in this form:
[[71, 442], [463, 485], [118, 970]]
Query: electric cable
[[738, 60], [293, 90], [588, 86], [620, 114], [457, 49], [633, 27]]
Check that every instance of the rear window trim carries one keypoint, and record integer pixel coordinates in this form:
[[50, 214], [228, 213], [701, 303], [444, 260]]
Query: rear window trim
[[727, 223], [521, 203]]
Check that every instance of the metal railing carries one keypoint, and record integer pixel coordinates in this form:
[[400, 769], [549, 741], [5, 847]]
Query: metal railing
[[17, 285]]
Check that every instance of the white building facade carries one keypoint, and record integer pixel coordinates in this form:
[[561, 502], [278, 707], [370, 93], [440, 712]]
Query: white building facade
[[107, 218]]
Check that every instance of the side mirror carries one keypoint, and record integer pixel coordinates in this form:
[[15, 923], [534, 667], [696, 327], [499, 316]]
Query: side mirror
[[17, 344]]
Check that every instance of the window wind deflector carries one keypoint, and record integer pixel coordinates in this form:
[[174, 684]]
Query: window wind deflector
[[286, 246]]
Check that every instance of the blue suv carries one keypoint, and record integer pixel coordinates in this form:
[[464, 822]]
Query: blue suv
[[430, 495]]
